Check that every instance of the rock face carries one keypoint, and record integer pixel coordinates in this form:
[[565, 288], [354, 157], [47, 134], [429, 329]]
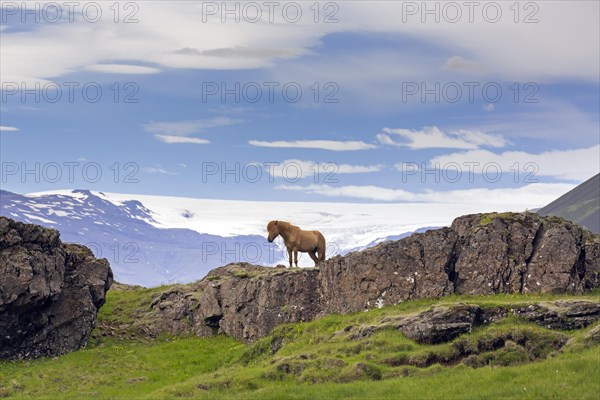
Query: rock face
[[242, 300], [50, 292], [478, 254]]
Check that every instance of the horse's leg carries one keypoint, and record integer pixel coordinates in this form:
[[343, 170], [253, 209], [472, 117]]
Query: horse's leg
[[322, 254], [296, 257], [290, 257], [321, 248], [313, 255]]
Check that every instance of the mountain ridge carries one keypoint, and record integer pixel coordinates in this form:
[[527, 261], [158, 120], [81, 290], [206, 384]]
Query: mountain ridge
[[581, 205], [138, 252]]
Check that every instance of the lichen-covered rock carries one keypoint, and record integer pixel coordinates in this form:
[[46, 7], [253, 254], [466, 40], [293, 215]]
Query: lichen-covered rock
[[510, 252], [241, 300], [478, 254], [391, 272], [50, 292]]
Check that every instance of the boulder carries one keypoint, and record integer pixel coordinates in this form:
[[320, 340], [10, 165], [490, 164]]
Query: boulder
[[50, 292]]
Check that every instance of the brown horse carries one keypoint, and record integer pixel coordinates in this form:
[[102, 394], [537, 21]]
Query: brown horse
[[295, 239]]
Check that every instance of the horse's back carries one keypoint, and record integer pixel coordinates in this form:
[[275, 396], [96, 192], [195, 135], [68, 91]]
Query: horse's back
[[316, 233], [308, 240]]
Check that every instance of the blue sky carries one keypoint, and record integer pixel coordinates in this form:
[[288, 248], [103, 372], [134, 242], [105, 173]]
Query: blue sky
[[380, 117]]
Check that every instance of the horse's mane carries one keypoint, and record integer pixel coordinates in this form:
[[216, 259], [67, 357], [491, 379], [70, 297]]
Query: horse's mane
[[285, 226]]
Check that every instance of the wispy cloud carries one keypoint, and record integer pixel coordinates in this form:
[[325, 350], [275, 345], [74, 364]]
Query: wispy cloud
[[158, 170], [508, 49], [577, 164], [298, 169], [332, 145], [434, 138], [182, 128], [8, 129], [239, 52], [457, 63], [538, 194], [173, 139], [127, 69], [178, 131]]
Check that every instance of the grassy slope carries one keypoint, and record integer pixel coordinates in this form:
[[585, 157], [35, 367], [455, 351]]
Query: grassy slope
[[316, 360]]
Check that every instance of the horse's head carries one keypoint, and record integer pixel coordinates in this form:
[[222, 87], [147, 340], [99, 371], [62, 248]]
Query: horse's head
[[273, 230]]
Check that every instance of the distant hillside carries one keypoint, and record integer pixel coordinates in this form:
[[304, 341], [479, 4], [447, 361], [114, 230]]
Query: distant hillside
[[581, 205]]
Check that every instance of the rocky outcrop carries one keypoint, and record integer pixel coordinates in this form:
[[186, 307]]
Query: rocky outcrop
[[443, 323], [563, 315], [242, 300], [478, 254], [50, 292]]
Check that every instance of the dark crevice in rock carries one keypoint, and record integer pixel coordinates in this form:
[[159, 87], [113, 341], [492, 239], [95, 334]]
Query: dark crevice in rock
[[579, 267], [539, 234], [504, 273], [214, 322], [450, 267]]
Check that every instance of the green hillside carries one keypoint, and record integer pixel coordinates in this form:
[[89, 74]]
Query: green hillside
[[324, 359]]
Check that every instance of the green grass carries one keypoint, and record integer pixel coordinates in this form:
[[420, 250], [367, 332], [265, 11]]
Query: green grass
[[488, 218], [116, 368], [317, 360], [124, 310]]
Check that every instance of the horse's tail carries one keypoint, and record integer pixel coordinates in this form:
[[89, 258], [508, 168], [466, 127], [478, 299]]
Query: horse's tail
[[322, 247]]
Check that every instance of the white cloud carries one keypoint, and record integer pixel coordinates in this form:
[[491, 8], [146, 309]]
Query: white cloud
[[182, 128], [332, 145], [298, 169], [164, 36], [176, 132], [512, 51], [158, 170], [578, 164], [489, 107], [457, 63], [177, 37], [538, 194], [8, 129], [433, 137], [122, 69], [173, 139]]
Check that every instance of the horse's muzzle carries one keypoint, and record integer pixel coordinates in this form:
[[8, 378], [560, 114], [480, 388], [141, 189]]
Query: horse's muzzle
[[270, 240]]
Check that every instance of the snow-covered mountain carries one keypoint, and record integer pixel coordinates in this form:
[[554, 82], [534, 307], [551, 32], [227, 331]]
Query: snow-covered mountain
[[125, 234], [151, 240]]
